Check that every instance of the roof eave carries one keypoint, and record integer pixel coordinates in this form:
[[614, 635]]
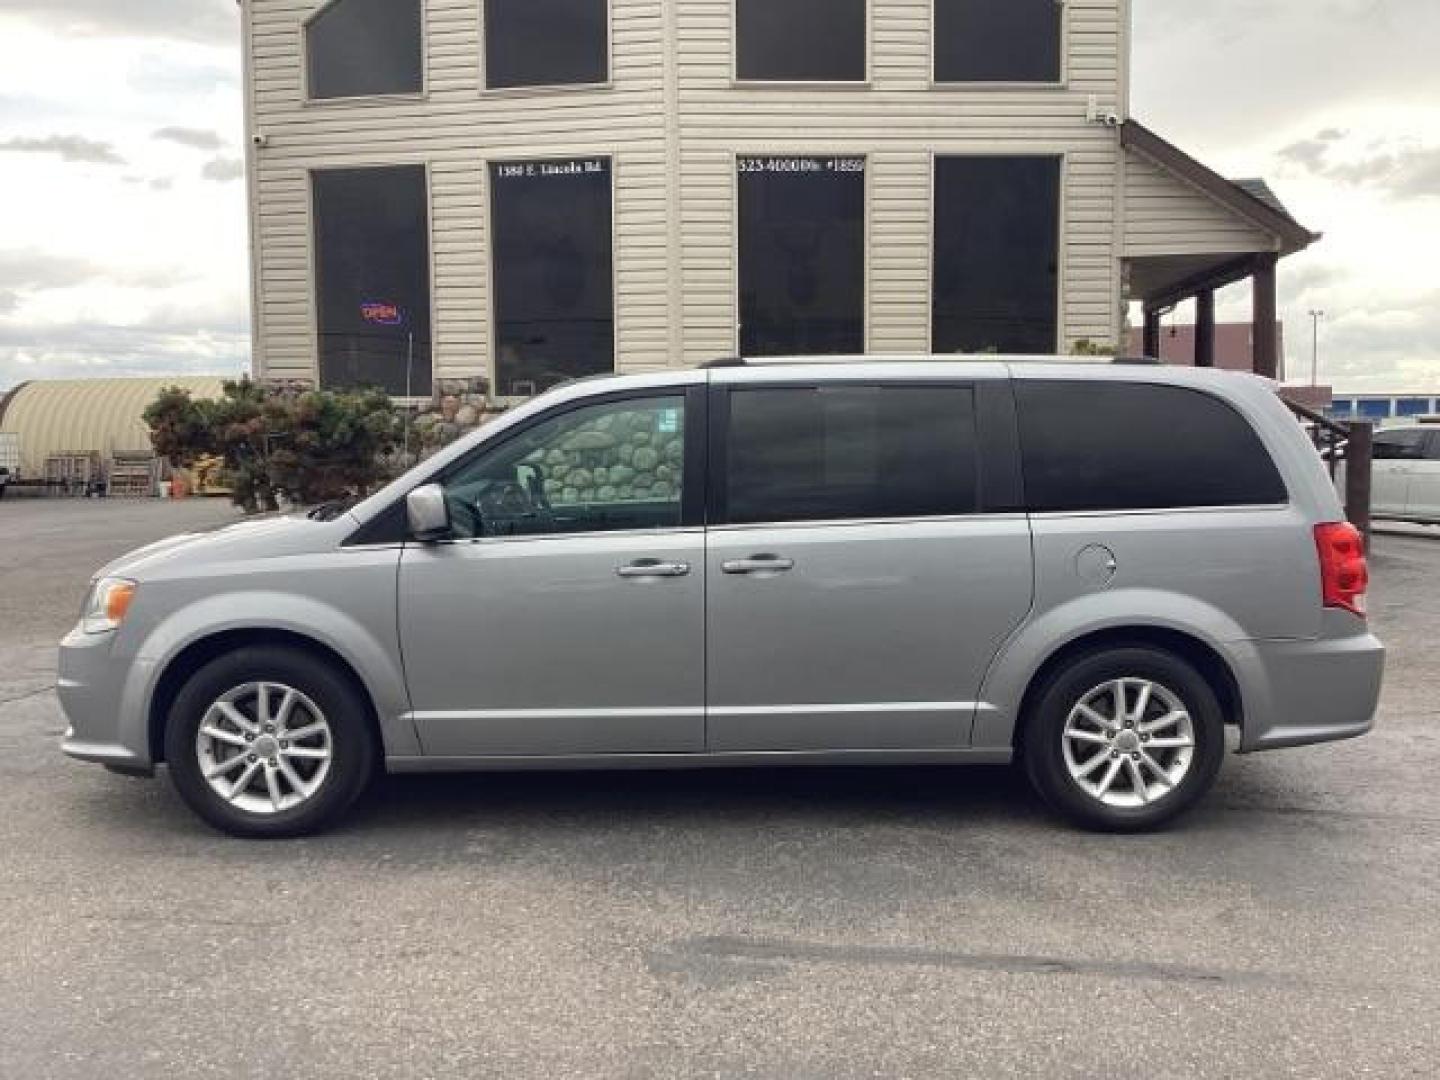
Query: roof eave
[[1293, 236]]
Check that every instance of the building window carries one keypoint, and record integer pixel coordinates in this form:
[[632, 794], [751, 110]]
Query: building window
[[802, 255], [372, 258], [845, 453], [800, 40], [1091, 446], [1412, 406], [546, 42], [554, 276], [997, 224], [356, 48], [998, 40]]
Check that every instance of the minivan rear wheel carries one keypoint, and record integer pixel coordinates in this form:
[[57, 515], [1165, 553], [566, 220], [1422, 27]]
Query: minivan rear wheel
[[269, 742], [1124, 739]]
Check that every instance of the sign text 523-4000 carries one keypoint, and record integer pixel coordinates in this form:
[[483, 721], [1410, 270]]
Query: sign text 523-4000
[[802, 164]]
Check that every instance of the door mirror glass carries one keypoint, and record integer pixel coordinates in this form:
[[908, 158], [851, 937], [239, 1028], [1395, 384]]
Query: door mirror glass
[[428, 513]]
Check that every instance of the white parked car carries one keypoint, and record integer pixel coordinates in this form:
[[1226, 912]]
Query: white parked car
[[1406, 481]]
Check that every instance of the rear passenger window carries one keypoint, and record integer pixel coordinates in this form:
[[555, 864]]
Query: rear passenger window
[[1129, 446], [848, 452], [1399, 445]]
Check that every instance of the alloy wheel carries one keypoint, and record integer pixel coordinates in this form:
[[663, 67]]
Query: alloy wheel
[[264, 747], [1129, 742]]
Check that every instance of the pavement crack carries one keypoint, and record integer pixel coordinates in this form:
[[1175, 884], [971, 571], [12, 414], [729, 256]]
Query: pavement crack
[[27, 695], [761, 949]]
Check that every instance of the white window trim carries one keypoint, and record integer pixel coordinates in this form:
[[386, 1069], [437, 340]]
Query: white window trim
[[608, 83], [310, 101], [492, 358], [790, 151], [794, 84], [1007, 86]]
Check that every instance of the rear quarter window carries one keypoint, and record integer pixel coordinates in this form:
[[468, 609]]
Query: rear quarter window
[[1135, 446]]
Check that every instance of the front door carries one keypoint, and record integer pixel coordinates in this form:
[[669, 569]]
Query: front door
[[566, 615], [857, 594]]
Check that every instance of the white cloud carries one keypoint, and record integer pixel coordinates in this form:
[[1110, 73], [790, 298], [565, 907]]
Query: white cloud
[[208, 21], [136, 270], [196, 138], [223, 169], [66, 148], [1337, 102]]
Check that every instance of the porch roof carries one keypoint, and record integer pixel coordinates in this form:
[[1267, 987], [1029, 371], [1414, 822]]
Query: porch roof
[[1189, 229]]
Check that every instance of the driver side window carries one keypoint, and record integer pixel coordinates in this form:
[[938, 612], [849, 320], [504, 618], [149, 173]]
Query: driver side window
[[611, 467]]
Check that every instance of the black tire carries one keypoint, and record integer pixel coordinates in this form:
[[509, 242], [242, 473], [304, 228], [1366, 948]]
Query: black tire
[[352, 742], [1044, 738]]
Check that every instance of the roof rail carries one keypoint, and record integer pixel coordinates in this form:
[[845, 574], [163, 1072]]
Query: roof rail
[[740, 361]]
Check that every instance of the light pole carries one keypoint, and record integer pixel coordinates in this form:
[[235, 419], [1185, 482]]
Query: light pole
[[1315, 316]]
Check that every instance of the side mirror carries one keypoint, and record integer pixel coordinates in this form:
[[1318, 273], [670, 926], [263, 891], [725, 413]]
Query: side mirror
[[428, 514]]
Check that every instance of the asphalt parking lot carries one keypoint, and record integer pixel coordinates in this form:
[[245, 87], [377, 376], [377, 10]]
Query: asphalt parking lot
[[838, 923]]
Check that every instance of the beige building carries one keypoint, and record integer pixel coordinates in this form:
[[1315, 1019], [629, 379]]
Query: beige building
[[530, 190]]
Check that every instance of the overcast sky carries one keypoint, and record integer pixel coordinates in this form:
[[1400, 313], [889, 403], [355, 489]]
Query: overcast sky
[[122, 229]]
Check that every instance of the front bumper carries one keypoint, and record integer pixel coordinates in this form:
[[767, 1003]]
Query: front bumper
[[1303, 692], [102, 700]]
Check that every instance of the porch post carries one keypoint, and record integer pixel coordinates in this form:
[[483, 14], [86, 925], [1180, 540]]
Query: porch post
[[1205, 328], [1267, 344], [1151, 345]]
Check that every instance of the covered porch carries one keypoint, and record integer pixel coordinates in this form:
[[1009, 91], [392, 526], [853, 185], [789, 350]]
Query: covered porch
[[1190, 232]]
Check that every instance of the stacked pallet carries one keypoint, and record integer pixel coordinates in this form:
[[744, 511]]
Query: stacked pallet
[[71, 473], [133, 476]]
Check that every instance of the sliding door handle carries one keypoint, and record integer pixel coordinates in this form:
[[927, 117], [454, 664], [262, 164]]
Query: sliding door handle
[[758, 564], [653, 568]]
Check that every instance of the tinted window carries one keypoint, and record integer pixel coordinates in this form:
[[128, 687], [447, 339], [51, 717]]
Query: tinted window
[[1399, 445], [553, 272], [601, 468], [546, 42], [1128, 446], [998, 40], [800, 40], [802, 255], [997, 224], [849, 452], [373, 278], [360, 47]]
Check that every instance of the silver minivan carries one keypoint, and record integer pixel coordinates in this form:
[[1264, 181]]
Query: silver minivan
[[1091, 570]]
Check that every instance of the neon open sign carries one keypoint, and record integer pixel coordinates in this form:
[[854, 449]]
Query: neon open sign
[[381, 314]]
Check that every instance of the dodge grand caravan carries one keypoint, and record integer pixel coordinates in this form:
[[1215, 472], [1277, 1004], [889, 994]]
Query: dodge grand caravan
[[1091, 570]]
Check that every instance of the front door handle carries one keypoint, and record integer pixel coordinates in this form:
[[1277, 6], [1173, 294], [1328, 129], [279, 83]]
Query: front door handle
[[653, 568], [758, 564]]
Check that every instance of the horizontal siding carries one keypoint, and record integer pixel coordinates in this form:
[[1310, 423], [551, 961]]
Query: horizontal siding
[[674, 192], [897, 122], [455, 128], [1166, 216]]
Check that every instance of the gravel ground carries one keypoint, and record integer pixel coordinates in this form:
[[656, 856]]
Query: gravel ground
[[835, 923]]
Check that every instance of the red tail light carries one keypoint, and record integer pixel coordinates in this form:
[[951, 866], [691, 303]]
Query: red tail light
[[1344, 574]]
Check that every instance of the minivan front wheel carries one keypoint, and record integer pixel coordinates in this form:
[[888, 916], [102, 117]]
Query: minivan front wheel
[[1124, 739], [269, 742]]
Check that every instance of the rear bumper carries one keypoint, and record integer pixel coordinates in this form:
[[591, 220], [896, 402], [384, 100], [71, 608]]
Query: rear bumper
[[1302, 692]]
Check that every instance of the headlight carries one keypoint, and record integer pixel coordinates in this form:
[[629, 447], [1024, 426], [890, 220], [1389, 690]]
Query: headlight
[[106, 605]]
